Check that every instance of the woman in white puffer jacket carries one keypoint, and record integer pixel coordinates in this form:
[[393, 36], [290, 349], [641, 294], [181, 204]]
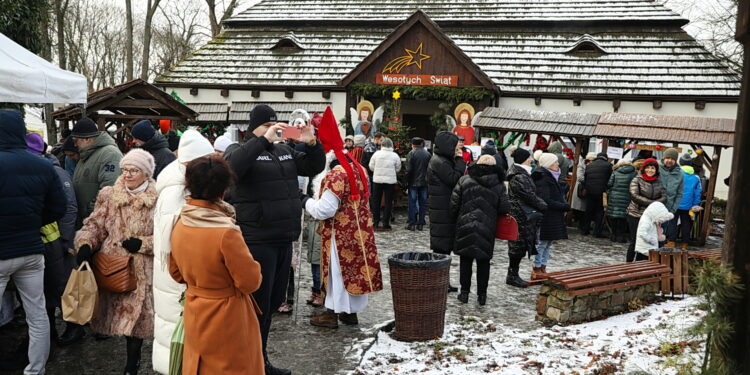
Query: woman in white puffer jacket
[[384, 165], [171, 188], [650, 233]]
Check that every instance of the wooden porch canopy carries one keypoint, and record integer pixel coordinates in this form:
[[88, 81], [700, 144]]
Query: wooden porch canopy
[[694, 131], [578, 127], [217, 113], [240, 111], [126, 104]]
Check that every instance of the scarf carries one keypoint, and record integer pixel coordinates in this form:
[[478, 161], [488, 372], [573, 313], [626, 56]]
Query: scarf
[[527, 168], [555, 174], [139, 189], [649, 178]]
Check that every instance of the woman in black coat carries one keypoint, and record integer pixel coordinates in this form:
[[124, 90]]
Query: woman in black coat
[[477, 201], [523, 199], [552, 226], [443, 172]]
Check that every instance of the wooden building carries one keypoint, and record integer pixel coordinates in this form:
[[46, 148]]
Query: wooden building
[[625, 56]]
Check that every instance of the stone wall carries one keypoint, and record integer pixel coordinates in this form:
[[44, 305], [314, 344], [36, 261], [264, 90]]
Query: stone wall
[[555, 305]]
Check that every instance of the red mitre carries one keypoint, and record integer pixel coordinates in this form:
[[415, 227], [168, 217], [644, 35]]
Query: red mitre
[[330, 137]]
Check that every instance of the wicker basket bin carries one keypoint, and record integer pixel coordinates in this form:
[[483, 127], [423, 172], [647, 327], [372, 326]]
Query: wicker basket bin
[[419, 284]]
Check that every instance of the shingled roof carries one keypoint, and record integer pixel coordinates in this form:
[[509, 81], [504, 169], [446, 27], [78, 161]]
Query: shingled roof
[[450, 10], [641, 60], [529, 121]]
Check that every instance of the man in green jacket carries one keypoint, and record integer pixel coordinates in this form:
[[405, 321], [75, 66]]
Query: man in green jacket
[[671, 177], [98, 166]]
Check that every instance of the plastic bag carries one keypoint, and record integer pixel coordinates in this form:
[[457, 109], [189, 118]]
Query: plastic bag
[[79, 297], [177, 344]]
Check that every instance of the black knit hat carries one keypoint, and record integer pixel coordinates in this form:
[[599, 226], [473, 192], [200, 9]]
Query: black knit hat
[[85, 128], [416, 141], [260, 115], [69, 145], [520, 155], [143, 130]]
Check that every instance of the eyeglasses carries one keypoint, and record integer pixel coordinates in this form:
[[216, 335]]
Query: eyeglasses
[[131, 172]]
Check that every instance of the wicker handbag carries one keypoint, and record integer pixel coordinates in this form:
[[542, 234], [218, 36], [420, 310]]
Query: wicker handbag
[[114, 273]]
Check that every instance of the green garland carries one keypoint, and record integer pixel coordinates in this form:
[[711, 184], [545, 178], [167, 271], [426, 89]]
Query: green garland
[[449, 94]]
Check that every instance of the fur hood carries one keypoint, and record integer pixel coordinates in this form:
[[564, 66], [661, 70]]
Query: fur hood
[[622, 163], [121, 197]]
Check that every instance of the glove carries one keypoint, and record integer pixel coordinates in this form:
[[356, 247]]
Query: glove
[[84, 254], [303, 198], [132, 244]]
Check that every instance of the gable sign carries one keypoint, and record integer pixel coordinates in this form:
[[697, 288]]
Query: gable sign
[[390, 75]]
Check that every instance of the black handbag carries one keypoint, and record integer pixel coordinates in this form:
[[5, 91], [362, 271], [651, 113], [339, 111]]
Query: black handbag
[[532, 214], [581, 191]]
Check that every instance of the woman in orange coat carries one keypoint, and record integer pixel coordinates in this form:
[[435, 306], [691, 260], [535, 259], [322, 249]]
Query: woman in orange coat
[[222, 335]]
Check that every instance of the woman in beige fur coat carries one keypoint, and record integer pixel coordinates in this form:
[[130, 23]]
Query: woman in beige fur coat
[[122, 224]]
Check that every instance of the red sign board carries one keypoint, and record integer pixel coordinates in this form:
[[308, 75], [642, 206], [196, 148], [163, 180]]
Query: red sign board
[[416, 79]]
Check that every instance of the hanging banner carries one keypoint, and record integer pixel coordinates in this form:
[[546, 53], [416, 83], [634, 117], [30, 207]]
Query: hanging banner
[[614, 152]]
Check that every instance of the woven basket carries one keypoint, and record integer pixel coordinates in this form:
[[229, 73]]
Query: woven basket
[[419, 284]]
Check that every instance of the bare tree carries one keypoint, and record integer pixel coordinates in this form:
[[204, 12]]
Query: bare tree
[[216, 22], [176, 38], [60, 7], [129, 41], [151, 8]]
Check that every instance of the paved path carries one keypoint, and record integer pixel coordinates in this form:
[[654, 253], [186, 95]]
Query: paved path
[[311, 350]]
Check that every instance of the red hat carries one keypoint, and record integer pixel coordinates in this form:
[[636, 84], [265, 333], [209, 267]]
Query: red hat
[[330, 137]]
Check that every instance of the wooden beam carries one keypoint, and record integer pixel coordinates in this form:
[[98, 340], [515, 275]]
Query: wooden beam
[[705, 223], [140, 117], [139, 104]]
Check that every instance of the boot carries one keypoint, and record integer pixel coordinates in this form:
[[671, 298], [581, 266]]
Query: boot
[[543, 269], [513, 279], [535, 273], [670, 245], [420, 227], [271, 370], [349, 319], [452, 288], [684, 246], [463, 297], [328, 320], [410, 227], [73, 333], [482, 299], [133, 362]]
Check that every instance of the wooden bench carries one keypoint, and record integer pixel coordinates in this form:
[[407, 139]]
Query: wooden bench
[[711, 255], [592, 292], [677, 260]]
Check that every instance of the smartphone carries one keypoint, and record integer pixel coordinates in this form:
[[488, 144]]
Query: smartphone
[[291, 133]]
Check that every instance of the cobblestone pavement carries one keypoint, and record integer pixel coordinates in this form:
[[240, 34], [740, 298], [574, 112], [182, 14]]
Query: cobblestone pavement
[[311, 350]]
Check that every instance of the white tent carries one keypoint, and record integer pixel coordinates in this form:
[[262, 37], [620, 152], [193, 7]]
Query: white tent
[[28, 78]]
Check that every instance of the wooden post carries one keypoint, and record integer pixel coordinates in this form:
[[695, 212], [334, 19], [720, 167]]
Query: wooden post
[[101, 122], [605, 145], [736, 252], [705, 223]]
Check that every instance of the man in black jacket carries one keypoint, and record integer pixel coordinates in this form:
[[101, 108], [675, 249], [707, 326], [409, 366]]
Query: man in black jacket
[[595, 181], [146, 137], [445, 169], [268, 204], [417, 162], [31, 196]]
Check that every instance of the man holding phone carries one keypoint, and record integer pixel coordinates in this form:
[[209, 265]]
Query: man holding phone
[[268, 205]]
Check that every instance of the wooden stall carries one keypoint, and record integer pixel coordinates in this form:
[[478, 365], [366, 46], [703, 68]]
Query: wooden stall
[[697, 132]]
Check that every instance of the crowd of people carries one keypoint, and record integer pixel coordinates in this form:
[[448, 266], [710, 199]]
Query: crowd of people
[[206, 231]]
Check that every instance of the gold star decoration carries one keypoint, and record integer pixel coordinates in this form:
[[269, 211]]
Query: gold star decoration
[[396, 95], [415, 57]]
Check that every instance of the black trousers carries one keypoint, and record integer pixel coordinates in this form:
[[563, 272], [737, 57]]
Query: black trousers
[[686, 224], [594, 211], [379, 191], [632, 256], [619, 227], [275, 261], [483, 275]]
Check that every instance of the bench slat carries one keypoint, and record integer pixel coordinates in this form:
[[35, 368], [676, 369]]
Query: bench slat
[[593, 269], [605, 272], [614, 286], [615, 278]]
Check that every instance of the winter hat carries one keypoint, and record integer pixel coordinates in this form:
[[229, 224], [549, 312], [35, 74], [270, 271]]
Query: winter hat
[[487, 160], [260, 115], [460, 138], [547, 160], [69, 145], [489, 143], [192, 146], [85, 128], [685, 159], [143, 130], [330, 137], [359, 140], [222, 142], [602, 155], [520, 155], [35, 143], [671, 153], [591, 156], [416, 141], [140, 159], [386, 142], [538, 153]]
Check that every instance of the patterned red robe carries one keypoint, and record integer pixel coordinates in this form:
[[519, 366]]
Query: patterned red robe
[[352, 227]]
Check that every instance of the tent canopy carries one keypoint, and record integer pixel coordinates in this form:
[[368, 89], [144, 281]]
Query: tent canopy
[[28, 78]]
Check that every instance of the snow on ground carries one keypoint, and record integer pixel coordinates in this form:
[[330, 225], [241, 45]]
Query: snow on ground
[[649, 341]]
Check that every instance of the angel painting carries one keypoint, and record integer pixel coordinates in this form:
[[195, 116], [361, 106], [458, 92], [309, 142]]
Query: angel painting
[[461, 124], [366, 118]]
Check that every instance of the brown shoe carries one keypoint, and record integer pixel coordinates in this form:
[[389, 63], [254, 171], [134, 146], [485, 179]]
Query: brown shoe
[[315, 300], [684, 246], [349, 319], [670, 245], [327, 320], [536, 273]]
